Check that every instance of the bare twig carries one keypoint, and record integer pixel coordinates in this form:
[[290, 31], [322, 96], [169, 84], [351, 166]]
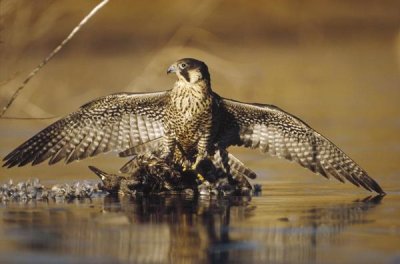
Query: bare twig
[[54, 52]]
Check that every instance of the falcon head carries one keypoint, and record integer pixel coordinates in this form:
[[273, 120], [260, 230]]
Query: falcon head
[[190, 70]]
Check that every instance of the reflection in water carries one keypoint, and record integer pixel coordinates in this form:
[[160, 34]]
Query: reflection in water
[[296, 238], [173, 228]]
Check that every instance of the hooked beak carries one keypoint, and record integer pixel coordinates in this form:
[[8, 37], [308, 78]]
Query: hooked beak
[[171, 68]]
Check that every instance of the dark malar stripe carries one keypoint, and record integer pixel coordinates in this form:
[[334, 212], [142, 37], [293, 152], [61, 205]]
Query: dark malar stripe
[[185, 75]]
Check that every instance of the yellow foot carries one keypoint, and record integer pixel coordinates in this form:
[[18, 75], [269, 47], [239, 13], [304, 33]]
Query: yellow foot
[[200, 177], [186, 167]]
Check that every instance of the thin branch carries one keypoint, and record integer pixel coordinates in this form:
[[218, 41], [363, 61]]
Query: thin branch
[[51, 55]]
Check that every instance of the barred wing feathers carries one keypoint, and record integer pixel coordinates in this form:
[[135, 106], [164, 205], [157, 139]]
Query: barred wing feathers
[[111, 123], [280, 134]]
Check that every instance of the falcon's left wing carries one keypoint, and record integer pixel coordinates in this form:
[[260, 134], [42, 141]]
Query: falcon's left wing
[[280, 134]]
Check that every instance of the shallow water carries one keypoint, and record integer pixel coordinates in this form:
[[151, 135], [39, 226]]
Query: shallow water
[[280, 226]]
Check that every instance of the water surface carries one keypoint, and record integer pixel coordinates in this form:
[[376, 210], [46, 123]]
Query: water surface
[[280, 226]]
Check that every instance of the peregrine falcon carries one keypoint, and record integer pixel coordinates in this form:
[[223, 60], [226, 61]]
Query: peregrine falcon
[[188, 123]]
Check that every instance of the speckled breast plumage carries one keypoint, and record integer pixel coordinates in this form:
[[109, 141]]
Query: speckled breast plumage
[[188, 118]]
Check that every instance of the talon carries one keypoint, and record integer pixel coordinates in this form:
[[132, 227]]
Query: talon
[[200, 178], [196, 163]]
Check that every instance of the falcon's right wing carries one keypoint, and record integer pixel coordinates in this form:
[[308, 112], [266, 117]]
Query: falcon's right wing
[[114, 122]]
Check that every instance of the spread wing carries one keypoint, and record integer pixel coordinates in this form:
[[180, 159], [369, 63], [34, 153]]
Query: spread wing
[[280, 134], [115, 122]]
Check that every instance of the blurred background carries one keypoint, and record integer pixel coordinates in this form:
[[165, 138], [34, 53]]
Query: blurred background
[[335, 64]]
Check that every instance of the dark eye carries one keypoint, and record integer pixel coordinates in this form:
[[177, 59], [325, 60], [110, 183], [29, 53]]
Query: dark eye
[[182, 65]]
